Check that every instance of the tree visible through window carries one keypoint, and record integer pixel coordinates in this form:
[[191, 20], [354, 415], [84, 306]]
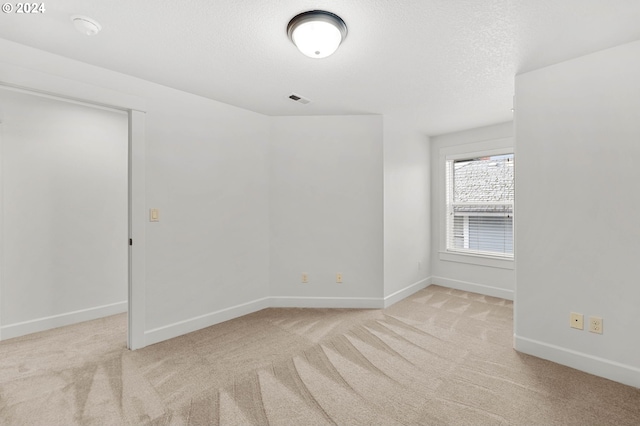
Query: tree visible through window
[[480, 194]]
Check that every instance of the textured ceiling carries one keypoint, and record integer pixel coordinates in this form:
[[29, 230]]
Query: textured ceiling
[[444, 65]]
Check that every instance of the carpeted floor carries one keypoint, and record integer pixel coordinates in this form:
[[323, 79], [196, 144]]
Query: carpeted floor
[[440, 357]]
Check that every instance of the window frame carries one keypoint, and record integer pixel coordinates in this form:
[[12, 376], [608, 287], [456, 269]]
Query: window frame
[[463, 152]]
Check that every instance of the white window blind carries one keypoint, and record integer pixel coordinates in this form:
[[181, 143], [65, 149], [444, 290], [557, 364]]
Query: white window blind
[[479, 205]]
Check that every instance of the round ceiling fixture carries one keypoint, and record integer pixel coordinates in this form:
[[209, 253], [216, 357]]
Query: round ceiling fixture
[[86, 25], [316, 33]]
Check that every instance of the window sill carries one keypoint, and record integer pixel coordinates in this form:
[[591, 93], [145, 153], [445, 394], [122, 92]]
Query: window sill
[[477, 259]]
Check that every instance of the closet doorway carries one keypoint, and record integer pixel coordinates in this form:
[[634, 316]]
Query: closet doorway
[[65, 228]]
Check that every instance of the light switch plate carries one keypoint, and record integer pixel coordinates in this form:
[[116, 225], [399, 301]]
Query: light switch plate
[[154, 215]]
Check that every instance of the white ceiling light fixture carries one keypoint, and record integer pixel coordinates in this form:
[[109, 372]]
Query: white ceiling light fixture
[[316, 33], [86, 25]]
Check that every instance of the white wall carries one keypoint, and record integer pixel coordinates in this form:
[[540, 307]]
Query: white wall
[[491, 280], [577, 203], [64, 216], [207, 173], [326, 200], [206, 170], [407, 215]]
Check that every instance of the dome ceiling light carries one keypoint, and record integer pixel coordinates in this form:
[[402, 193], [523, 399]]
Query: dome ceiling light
[[86, 25], [316, 33]]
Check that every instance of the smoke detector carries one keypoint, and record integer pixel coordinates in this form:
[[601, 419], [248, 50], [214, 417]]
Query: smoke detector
[[298, 98], [86, 25]]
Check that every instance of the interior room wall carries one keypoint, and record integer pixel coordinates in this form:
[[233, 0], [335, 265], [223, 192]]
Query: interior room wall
[[326, 201], [407, 215], [493, 281], [206, 171], [577, 198], [207, 174], [64, 212]]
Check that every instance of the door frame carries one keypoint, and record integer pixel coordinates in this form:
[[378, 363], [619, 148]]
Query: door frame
[[37, 83]]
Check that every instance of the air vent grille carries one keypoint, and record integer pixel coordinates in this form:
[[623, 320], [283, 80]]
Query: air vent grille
[[298, 98]]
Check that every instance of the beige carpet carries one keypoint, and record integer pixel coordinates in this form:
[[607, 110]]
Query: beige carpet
[[439, 357]]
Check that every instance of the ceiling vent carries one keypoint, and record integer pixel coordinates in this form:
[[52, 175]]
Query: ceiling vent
[[297, 98]]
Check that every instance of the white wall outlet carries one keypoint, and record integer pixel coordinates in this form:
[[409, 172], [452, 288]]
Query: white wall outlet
[[305, 277], [577, 321], [339, 277], [595, 325]]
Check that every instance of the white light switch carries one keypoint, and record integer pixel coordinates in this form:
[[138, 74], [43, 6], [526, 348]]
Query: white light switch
[[154, 215]]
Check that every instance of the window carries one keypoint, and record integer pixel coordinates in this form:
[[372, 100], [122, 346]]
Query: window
[[479, 205]]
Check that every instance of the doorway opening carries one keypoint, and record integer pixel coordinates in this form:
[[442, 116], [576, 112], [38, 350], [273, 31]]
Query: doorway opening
[[66, 212]]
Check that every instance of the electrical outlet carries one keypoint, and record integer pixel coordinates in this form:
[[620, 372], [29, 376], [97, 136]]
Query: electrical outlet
[[595, 325], [305, 277], [577, 321], [339, 277]]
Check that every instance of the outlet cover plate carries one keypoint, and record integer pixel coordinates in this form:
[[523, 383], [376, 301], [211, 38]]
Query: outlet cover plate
[[595, 325], [577, 321]]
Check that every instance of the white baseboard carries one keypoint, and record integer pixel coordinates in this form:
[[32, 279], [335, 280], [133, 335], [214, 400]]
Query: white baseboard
[[473, 287], [327, 302], [207, 320], [591, 364], [47, 323], [193, 324], [406, 292], [187, 326]]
